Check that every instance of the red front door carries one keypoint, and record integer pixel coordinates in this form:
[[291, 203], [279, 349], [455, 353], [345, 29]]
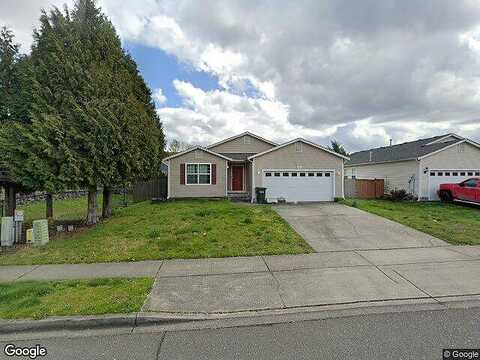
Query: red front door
[[237, 178]]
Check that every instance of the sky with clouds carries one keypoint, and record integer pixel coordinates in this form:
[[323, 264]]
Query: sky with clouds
[[361, 72]]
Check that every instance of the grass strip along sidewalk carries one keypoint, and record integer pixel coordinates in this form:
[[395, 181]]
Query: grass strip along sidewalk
[[40, 299]]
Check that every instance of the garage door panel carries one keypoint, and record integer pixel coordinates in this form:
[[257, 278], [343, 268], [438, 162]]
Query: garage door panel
[[438, 177], [294, 186]]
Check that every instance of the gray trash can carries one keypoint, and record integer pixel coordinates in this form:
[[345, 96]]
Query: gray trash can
[[261, 193]]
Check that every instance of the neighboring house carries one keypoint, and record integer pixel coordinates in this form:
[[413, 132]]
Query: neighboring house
[[298, 170], [418, 167]]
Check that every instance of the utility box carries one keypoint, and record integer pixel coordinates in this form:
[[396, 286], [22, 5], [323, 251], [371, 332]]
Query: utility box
[[29, 236], [40, 232], [7, 237]]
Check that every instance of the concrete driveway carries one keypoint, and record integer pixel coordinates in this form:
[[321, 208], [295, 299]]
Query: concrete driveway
[[336, 227]]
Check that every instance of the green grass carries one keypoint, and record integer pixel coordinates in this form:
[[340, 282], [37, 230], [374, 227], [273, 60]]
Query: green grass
[[40, 299], [64, 210], [181, 229], [453, 223]]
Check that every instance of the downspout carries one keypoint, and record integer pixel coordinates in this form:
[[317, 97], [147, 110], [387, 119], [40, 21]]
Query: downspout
[[226, 178], [168, 179], [253, 181], [343, 179], [420, 177]]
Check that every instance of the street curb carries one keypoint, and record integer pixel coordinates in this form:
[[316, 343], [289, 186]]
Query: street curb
[[67, 323], [152, 319], [93, 322]]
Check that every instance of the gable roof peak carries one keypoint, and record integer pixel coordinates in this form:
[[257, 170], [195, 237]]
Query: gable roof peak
[[240, 135]]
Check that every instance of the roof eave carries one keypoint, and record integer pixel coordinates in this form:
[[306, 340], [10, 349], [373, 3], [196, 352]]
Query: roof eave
[[295, 140], [380, 162], [196, 148]]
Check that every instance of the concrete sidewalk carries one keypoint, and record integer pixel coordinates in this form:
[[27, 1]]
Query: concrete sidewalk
[[298, 281], [228, 285]]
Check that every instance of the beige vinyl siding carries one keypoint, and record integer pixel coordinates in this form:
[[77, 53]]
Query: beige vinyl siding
[[310, 158], [395, 174], [450, 159], [238, 146], [248, 178], [177, 190]]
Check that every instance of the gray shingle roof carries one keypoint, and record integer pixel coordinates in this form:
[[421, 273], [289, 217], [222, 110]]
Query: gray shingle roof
[[405, 151]]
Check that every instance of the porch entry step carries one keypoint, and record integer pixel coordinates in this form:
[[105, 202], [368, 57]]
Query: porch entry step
[[239, 196]]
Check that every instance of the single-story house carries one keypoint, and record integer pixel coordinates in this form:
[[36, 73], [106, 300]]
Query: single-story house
[[298, 170], [418, 167]]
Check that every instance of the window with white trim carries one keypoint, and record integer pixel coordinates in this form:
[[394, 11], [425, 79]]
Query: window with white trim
[[199, 174], [247, 140]]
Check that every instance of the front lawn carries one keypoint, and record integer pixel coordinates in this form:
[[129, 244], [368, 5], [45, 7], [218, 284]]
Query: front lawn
[[65, 209], [40, 299], [180, 229], [457, 224]]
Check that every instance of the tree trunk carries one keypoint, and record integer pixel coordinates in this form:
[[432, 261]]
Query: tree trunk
[[49, 206], [107, 202], [11, 199], [92, 217], [4, 202]]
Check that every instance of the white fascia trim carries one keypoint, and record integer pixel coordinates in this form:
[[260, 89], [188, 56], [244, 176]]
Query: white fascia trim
[[240, 135], [464, 141], [445, 137], [305, 142], [198, 148]]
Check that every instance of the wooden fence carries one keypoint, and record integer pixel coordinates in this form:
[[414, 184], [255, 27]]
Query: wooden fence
[[365, 189], [155, 189]]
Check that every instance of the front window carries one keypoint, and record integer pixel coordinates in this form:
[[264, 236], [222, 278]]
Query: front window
[[198, 174]]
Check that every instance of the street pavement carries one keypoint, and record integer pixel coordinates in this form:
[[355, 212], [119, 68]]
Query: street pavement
[[399, 335]]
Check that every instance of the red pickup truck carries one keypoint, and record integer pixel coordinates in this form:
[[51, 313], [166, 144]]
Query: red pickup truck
[[468, 191]]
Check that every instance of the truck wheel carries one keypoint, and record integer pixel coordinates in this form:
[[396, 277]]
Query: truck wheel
[[446, 196]]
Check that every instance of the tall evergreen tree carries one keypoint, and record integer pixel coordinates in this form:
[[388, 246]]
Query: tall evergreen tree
[[93, 121], [9, 77], [14, 77], [129, 138]]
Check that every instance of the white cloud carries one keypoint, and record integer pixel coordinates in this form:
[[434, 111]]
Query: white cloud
[[22, 16], [362, 72], [207, 116], [159, 97]]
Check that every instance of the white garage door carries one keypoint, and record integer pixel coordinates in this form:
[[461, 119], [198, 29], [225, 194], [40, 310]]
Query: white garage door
[[437, 177], [299, 185]]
